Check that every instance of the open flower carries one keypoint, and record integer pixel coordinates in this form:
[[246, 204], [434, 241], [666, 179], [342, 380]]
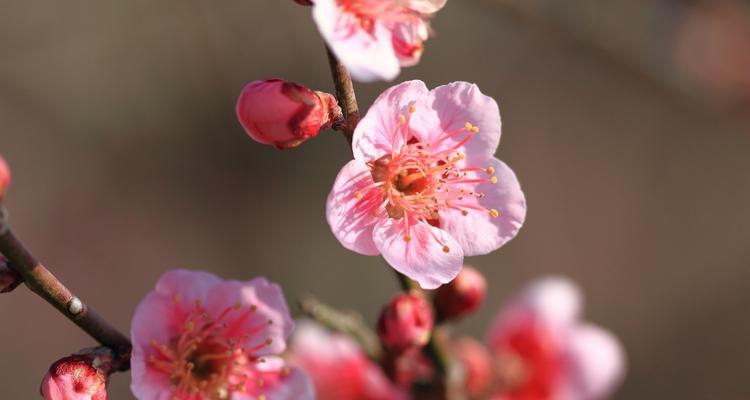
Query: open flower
[[424, 188], [198, 337], [338, 366], [375, 38], [543, 351]]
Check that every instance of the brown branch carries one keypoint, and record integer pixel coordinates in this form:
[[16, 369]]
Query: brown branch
[[41, 281], [345, 95]]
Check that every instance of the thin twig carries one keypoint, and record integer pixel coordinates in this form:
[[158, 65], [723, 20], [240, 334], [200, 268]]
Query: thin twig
[[348, 323], [41, 281], [345, 95]]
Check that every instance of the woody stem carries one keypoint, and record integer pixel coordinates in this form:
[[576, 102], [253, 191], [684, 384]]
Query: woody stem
[[41, 281]]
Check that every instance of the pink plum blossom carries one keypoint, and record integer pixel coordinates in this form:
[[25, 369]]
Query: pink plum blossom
[[338, 366], [284, 114], [74, 378], [375, 38], [198, 337], [544, 352], [424, 188]]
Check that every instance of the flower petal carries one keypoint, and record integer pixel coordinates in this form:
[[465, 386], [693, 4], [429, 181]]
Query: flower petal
[[596, 364], [296, 385], [460, 102], [552, 303], [426, 7], [478, 232], [422, 257], [262, 315], [380, 132], [350, 218], [368, 56]]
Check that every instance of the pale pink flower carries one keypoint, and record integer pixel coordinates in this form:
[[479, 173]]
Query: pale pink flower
[[424, 188], [198, 337], [74, 378], [338, 366], [544, 352], [375, 38]]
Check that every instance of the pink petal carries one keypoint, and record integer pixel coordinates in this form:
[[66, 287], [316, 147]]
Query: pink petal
[[295, 386], [461, 102], [422, 258], [49, 389], [368, 57], [379, 133], [185, 287], [426, 6], [596, 364], [267, 301], [350, 219], [478, 232], [408, 38], [556, 301]]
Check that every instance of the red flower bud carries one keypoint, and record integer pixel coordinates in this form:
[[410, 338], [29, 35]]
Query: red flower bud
[[284, 114], [304, 2], [476, 362], [405, 322], [9, 279], [4, 177], [74, 378], [462, 296]]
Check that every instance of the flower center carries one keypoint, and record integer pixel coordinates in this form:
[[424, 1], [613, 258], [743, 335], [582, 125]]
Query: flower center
[[208, 358], [422, 179]]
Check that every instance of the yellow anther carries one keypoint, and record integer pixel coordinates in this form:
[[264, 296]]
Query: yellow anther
[[269, 341], [412, 109], [253, 307], [237, 306], [475, 129], [407, 238], [464, 213], [468, 126], [358, 194], [494, 213], [285, 371], [446, 249], [190, 326], [490, 170], [262, 397], [401, 119], [493, 179]]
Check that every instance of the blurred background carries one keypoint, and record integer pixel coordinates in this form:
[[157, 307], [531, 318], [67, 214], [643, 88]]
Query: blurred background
[[627, 122]]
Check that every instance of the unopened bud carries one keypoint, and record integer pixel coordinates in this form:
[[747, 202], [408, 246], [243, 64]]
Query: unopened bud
[[285, 114], [405, 322], [76, 377], [9, 278], [476, 363], [4, 177], [462, 296], [304, 2]]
